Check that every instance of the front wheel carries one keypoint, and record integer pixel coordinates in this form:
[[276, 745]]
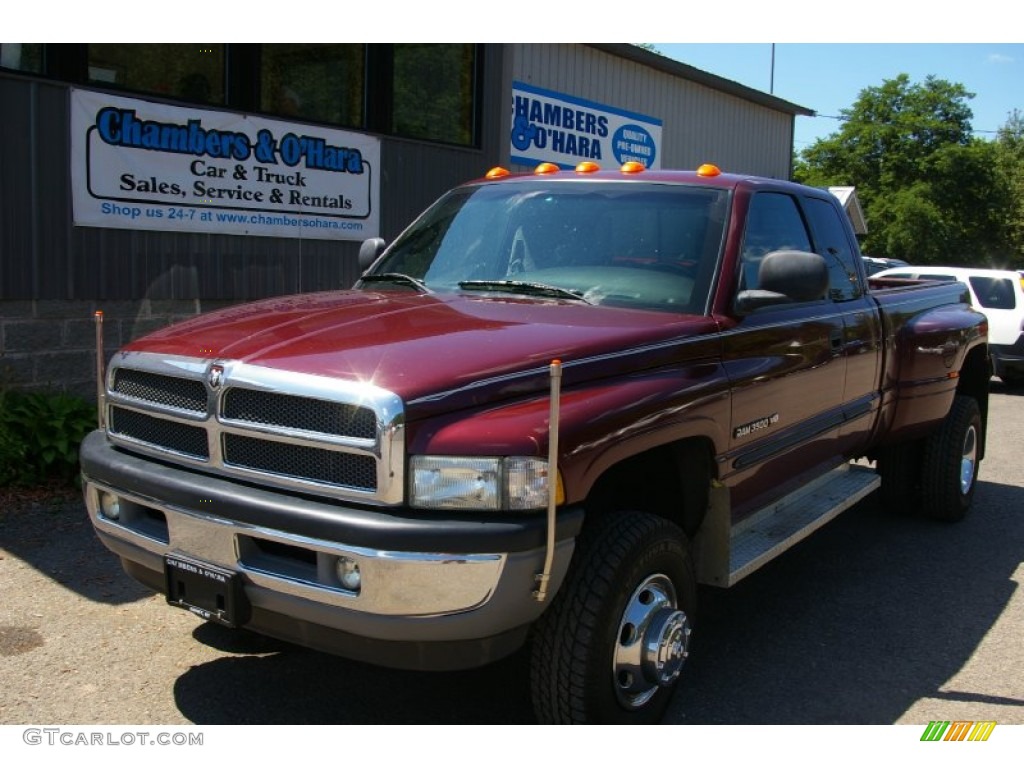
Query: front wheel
[[950, 462], [613, 644]]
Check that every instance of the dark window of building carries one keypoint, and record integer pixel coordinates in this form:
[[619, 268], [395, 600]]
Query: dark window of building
[[191, 72], [433, 89], [27, 57], [314, 81], [834, 245]]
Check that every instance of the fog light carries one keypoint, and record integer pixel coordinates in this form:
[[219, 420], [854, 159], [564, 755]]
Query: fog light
[[348, 574], [110, 505]]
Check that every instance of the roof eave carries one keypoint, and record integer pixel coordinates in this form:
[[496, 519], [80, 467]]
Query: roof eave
[[677, 68]]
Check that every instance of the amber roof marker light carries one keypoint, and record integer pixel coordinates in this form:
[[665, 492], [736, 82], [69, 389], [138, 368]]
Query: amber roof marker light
[[588, 166], [497, 172], [708, 170], [545, 168], [633, 167]]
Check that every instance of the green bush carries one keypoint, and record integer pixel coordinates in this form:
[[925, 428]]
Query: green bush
[[39, 436]]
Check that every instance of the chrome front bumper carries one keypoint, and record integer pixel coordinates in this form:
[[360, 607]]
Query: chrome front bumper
[[408, 584], [423, 580]]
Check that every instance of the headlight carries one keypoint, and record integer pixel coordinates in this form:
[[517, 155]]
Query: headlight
[[492, 484]]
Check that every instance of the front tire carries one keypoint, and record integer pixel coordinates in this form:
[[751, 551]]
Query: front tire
[[950, 462], [613, 644]]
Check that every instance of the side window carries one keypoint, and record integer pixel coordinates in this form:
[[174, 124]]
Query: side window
[[994, 292], [833, 244], [774, 223]]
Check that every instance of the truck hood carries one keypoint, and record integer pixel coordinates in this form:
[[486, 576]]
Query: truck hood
[[426, 347]]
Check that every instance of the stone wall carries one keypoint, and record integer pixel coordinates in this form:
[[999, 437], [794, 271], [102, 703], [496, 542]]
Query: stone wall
[[50, 345]]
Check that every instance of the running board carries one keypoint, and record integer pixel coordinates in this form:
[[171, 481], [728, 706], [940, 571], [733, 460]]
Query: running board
[[724, 557]]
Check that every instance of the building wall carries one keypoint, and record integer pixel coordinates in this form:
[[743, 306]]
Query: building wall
[[700, 123], [54, 275]]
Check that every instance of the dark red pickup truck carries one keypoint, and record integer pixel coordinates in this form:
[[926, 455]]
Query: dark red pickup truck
[[552, 407]]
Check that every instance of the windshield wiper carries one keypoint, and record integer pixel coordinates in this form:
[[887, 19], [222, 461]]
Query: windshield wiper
[[523, 287], [396, 277]]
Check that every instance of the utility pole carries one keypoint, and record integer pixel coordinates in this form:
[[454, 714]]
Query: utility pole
[[771, 81]]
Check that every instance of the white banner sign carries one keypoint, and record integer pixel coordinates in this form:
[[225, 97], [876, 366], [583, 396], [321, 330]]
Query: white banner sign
[[556, 128], [142, 165]]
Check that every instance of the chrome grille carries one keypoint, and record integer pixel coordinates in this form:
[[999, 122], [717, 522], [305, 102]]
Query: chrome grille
[[313, 434], [172, 391], [316, 464], [294, 412], [160, 433]]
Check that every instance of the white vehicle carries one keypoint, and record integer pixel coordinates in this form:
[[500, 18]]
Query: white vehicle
[[999, 294]]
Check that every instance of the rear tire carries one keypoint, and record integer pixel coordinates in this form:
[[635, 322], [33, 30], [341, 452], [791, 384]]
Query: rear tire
[[950, 462], [611, 647]]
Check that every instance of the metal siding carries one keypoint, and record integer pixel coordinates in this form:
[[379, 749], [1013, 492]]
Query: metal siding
[[699, 124], [16, 241], [52, 194]]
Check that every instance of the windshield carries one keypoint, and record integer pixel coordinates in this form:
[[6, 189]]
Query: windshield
[[649, 246]]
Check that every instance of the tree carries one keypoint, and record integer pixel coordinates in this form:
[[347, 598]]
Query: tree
[[1010, 163], [931, 192]]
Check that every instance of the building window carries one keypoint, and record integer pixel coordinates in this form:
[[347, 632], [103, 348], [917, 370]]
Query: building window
[[188, 71], [322, 82], [27, 57], [433, 92]]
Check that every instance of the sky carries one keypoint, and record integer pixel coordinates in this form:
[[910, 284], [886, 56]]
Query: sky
[[828, 77]]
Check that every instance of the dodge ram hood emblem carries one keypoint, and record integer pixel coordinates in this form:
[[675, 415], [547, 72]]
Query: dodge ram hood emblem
[[215, 376]]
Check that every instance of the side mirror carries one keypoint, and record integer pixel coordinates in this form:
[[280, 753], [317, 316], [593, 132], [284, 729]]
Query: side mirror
[[785, 277], [369, 251]]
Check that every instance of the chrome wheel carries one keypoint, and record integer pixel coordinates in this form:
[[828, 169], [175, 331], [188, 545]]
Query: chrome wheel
[[652, 642]]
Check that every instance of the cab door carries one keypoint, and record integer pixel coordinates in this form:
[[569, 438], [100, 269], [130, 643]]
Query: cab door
[[786, 370], [861, 349]]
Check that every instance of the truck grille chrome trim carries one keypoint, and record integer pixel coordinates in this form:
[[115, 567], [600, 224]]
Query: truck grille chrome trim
[[172, 436], [171, 391], [301, 413], [332, 437], [300, 461]]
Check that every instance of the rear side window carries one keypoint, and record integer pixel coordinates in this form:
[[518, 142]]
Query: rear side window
[[834, 245], [994, 292]]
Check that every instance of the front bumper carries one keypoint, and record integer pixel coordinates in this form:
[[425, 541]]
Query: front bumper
[[436, 592]]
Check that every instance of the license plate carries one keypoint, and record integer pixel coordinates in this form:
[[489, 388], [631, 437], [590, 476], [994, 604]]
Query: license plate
[[209, 591]]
